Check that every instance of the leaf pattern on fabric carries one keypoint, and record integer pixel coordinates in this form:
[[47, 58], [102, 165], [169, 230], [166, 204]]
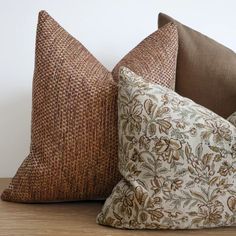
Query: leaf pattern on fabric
[[177, 159], [232, 119]]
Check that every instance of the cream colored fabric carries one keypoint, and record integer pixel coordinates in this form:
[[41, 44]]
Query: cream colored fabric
[[177, 159], [232, 119]]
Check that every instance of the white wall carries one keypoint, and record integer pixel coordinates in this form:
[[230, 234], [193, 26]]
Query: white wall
[[108, 28]]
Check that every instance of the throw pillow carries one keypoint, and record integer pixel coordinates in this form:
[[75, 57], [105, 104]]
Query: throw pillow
[[206, 70], [74, 151], [177, 159]]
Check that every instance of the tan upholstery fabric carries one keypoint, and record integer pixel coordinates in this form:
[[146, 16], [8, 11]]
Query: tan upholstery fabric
[[206, 70], [73, 154]]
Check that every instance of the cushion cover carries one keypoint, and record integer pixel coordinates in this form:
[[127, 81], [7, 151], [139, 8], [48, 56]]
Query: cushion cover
[[74, 139], [177, 159], [206, 70]]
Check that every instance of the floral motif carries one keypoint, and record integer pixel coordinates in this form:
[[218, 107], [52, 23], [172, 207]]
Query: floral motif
[[167, 148], [232, 119], [131, 116], [178, 162], [232, 203], [218, 129], [209, 214], [124, 200]]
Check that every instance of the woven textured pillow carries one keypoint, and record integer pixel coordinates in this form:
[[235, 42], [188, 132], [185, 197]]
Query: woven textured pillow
[[73, 154], [153, 58], [177, 159], [206, 70]]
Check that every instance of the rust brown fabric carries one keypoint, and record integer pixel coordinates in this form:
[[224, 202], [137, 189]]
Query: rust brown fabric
[[206, 70], [74, 139], [153, 58], [73, 154]]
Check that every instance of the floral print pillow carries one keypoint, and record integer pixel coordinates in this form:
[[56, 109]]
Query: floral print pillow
[[232, 119], [177, 159]]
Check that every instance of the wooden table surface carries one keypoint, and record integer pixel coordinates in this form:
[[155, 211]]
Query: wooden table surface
[[70, 219]]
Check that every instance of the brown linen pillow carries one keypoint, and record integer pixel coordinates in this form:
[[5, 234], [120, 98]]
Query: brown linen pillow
[[74, 142], [206, 70]]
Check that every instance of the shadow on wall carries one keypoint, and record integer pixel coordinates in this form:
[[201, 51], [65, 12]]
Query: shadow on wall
[[15, 124]]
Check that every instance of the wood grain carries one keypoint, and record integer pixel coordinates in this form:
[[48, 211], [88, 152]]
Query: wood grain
[[77, 218]]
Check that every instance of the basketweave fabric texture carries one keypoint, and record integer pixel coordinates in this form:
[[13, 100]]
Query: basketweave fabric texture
[[74, 140], [177, 159], [74, 136], [206, 70], [154, 58]]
